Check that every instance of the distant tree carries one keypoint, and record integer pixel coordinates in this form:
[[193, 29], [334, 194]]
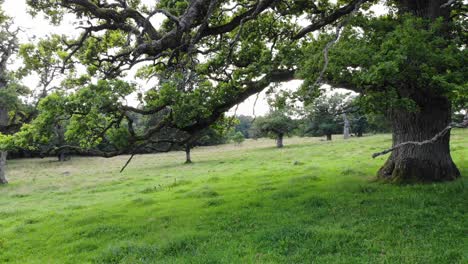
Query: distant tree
[[356, 116], [324, 115], [359, 124], [46, 133], [378, 123], [245, 122], [188, 158], [238, 137], [210, 137], [46, 60], [276, 124]]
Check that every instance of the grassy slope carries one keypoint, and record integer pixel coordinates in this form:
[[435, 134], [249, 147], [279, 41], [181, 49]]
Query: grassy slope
[[311, 202]]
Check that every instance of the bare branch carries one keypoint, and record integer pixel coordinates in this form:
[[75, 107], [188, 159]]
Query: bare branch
[[338, 31], [350, 8], [448, 3], [128, 162], [437, 137]]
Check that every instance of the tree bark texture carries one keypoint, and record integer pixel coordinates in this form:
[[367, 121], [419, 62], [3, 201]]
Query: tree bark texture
[[427, 163], [187, 154], [3, 156], [279, 141], [346, 127]]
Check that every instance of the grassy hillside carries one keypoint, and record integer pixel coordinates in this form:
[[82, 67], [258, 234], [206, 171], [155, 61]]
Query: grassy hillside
[[311, 202]]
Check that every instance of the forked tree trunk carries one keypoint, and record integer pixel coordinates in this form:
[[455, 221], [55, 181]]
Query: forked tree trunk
[[3, 156], [329, 137], [426, 163], [279, 141], [187, 154]]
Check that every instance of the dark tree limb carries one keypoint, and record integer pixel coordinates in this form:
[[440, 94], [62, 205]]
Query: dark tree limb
[[336, 37], [330, 18]]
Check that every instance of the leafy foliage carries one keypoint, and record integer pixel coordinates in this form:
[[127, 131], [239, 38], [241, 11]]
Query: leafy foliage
[[395, 60], [237, 137], [274, 124]]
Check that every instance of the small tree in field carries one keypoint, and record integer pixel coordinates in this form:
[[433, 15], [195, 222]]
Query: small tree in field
[[238, 137], [276, 124], [323, 115], [245, 122]]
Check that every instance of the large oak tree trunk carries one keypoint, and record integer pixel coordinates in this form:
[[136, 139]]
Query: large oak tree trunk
[[279, 141], [430, 162], [329, 137], [426, 163]]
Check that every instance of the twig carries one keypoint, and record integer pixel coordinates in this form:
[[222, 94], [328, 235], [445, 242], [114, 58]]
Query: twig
[[128, 162], [448, 3], [253, 109], [338, 31], [231, 120]]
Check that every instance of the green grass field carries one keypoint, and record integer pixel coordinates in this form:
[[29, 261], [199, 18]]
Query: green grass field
[[311, 202]]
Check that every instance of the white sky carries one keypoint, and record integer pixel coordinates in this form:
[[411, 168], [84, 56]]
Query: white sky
[[39, 27]]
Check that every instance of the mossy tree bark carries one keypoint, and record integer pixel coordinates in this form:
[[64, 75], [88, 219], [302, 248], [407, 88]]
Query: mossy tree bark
[[426, 163]]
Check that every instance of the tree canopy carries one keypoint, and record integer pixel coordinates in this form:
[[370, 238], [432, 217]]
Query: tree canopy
[[208, 56]]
